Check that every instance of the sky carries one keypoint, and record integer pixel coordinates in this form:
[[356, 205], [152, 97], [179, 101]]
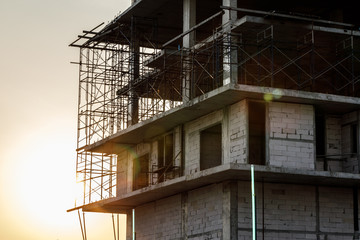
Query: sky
[[38, 117]]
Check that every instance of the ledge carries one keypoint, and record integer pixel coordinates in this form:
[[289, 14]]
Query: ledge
[[214, 100], [226, 172]]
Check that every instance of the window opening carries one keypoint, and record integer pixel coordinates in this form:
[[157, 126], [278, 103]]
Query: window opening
[[210, 147], [165, 156], [320, 134], [140, 172]]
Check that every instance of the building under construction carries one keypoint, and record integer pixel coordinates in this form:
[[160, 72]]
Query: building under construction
[[180, 99]]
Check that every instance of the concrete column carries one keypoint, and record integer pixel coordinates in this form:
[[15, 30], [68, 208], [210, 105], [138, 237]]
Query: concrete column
[[230, 210], [129, 227], [356, 212], [134, 64], [189, 20], [358, 140], [184, 215], [229, 15], [230, 58], [225, 135]]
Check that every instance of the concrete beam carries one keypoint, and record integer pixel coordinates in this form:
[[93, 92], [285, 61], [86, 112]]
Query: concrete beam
[[222, 173], [215, 100]]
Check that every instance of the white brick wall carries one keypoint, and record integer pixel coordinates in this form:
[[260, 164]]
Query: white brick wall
[[289, 208], [168, 218], [336, 214], [205, 211], [159, 220], [291, 135], [145, 221], [351, 164], [192, 139], [238, 132], [333, 143], [333, 135], [290, 212]]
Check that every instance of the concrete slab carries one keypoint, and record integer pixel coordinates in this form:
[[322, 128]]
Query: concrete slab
[[239, 172], [215, 100]]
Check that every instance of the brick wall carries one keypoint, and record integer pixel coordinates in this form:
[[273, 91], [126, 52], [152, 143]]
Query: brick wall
[[296, 212], [286, 211], [351, 164], [238, 132], [333, 143], [291, 135], [159, 220], [204, 220], [336, 210], [192, 139]]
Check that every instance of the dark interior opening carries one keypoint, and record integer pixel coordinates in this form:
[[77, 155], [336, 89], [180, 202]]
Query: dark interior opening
[[257, 133], [320, 134], [210, 147], [140, 172]]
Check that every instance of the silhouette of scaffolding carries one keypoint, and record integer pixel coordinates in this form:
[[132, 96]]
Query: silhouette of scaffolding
[[127, 76]]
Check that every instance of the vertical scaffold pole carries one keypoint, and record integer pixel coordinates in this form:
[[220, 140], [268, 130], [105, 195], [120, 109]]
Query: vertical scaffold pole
[[253, 203]]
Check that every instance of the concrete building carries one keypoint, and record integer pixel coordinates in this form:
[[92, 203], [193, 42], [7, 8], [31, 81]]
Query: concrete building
[[178, 98]]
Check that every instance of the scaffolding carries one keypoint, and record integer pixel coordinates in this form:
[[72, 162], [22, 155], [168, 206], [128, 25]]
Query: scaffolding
[[126, 75]]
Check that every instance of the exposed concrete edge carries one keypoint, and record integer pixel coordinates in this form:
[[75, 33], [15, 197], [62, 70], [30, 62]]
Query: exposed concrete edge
[[230, 171], [212, 101]]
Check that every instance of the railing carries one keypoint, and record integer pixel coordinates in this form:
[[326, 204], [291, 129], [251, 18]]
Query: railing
[[167, 172]]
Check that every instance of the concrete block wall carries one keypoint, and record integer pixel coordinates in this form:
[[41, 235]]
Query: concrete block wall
[[168, 218], [291, 135], [289, 211], [192, 139], [333, 135], [336, 210], [198, 216], [159, 220], [238, 131], [286, 211], [296, 212], [351, 164], [204, 218], [333, 143], [122, 173], [289, 208]]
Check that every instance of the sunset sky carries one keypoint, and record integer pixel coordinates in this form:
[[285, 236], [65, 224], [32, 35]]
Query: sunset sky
[[38, 109]]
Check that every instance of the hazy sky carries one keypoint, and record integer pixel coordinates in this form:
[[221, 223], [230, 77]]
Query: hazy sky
[[38, 110]]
